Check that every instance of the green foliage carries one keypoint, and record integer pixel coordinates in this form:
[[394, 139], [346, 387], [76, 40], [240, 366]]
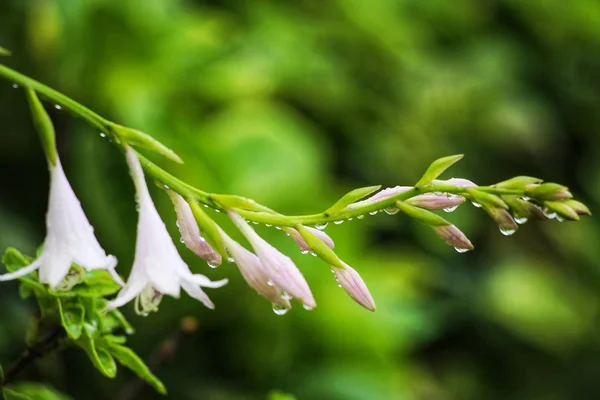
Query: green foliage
[[32, 391], [278, 395], [437, 168], [352, 196], [80, 312]]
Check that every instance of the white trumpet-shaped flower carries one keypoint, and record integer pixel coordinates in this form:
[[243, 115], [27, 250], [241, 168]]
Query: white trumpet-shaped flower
[[69, 238], [279, 267], [157, 267]]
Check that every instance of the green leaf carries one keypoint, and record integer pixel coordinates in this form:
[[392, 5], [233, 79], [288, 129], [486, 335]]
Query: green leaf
[[488, 199], [351, 197], [138, 138], [116, 319], [72, 316], [208, 227], [319, 247], [518, 182], [13, 260], [421, 215], [10, 394], [100, 357], [129, 359], [35, 391], [43, 125], [437, 168], [5, 52], [278, 395]]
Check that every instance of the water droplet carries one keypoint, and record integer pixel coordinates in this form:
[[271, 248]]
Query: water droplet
[[350, 219], [307, 307], [312, 253], [102, 134], [373, 212], [476, 205], [270, 283], [451, 196], [287, 234], [525, 198], [560, 219], [57, 107], [339, 285], [304, 251], [391, 211], [279, 310], [285, 296], [321, 226], [212, 265], [202, 239], [217, 210], [521, 220], [15, 86], [181, 240], [360, 216], [461, 250], [205, 205], [278, 228], [339, 222], [507, 231], [450, 209], [231, 260], [550, 214], [268, 225], [255, 222]]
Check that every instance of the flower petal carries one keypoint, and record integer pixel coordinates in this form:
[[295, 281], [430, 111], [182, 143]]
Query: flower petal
[[22, 271], [354, 285]]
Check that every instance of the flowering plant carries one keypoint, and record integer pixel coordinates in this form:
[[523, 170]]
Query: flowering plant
[[77, 285]]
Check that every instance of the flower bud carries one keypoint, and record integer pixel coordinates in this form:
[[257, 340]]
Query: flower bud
[[354, 285], [294, 234], [454, 237], [548, 191], [562, 209], [505, 221], [433, 201], [578, 207]]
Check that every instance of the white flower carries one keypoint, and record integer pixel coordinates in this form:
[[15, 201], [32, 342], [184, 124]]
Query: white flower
[[279, 267], [190, 233], [354, 285], [69, 238], [254, 273], [157, 267]]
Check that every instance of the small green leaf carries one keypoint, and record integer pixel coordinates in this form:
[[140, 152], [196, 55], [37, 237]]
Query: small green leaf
[[481, 197], [208, 227], [14, 260], [319, 247], [36, 391], [129, 359], [437, 168], [72, 316], [518, 182], [43, 125], [101, 358], [5, 52], [351, 197], [114, 319], [421, 215], [278, 395], [10, 394], [138, 138]]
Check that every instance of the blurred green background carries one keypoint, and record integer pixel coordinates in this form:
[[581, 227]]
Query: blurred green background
[[294, 103]]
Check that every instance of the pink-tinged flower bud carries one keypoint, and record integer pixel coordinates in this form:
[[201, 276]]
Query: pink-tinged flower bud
[[381, 195], [317, 232], [279, 267], [254, 273], [69, 239], [434, 201], [190, 233], [454, 237], [460, 182], [548, 191], [354, 285], [505, 221]]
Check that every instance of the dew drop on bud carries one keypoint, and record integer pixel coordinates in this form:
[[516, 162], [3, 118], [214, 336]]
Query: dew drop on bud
[[307, 307], [312, 253], [339, 222], [450, 209], [212, 265], [360, 216], [205, 205], [279, 310], [321, 226], [181, 240], [391, 211], [231, 260], [268, 225], [525, 198], [304, 252], [57, 107], [350, 219], [278, 228], [15, 86], [461, 250], [285, 296], [270, 283], [102, 134], [217, 210], [560, 219], [550, 215], [476, 205], [521, 220], [373, 212], [507, 231]]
